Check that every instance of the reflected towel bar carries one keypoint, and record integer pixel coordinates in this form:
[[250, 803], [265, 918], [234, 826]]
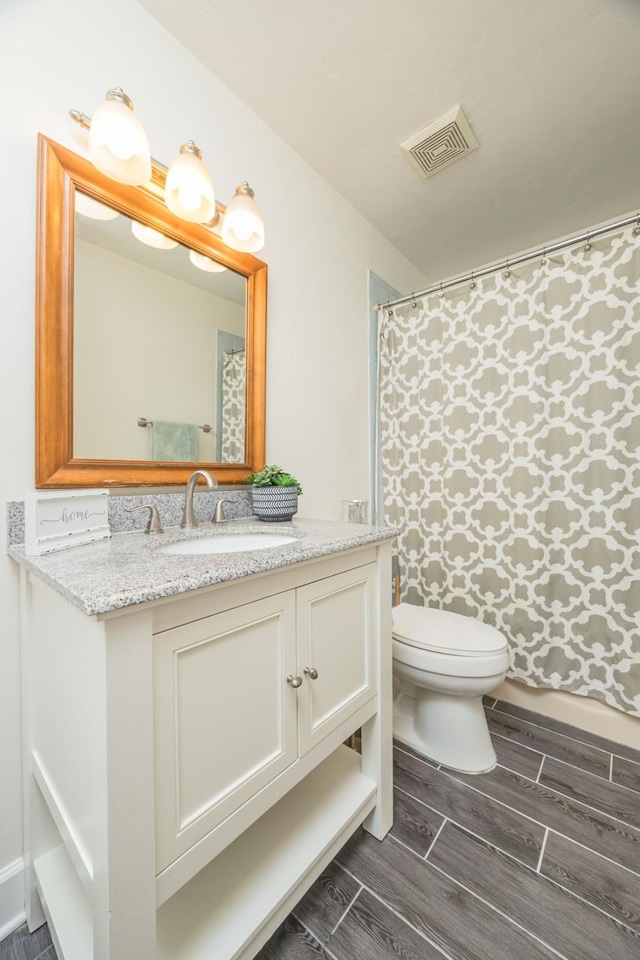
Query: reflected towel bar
[[143, 422]]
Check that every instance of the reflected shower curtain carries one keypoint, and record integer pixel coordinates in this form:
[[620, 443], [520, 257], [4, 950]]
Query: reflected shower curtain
[[234, 384], [509, 441]]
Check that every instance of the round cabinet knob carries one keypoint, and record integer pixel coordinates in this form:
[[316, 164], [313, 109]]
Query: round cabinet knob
[[295, 682], [311, 672]]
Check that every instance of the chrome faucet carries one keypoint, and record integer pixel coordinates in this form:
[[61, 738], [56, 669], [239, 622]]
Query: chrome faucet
[[188, 519], [218, 516]]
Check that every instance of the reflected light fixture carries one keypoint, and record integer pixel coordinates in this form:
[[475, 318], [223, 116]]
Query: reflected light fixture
[[243, 227], [202, 262], [152, 238], [93, 209], [118, 145], [188, 189]]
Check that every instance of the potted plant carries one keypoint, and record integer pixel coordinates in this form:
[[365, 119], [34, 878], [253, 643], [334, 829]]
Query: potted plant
[[275, 493]]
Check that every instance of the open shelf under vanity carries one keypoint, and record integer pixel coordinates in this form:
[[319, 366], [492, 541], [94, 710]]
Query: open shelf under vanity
[[233, 905]]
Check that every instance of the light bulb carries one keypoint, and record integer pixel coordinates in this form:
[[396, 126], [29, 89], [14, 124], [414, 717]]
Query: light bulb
[[243, 227], [152, 238], [202, 262], [188, 189], [118, 145], [122, 144], [189, 197]]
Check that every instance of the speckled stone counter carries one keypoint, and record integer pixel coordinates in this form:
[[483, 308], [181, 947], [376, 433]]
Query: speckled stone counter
[[128, 569]]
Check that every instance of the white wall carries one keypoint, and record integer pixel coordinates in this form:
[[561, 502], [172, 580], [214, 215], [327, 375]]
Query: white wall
[[144, 346], [62, 54], [583, 712]]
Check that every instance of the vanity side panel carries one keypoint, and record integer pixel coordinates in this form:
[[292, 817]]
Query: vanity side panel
[[39, 838], [64, 666], [124, 875], [377, 733]]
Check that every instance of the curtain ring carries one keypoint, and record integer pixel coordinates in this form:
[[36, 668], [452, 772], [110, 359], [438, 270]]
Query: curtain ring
[[587, 245], [473, 284], [507, 272], [636, 231], [413, 300], [544, 260], [442, 293]]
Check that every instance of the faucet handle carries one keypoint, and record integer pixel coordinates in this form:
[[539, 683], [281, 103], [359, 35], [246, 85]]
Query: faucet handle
[[218, 516], [154, 525]]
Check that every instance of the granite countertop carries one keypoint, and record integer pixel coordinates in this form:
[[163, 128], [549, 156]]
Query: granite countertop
[[128, 569]]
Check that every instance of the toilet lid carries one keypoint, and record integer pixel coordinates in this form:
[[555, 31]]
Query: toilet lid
[[445, 632]]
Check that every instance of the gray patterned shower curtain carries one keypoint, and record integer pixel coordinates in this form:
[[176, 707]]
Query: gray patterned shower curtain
[[509, 438], [234, 398]]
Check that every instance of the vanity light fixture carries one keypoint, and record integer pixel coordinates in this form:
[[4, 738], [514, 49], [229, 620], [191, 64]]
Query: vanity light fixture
[[243, 227], [202, 262], [152, 238], [93, 209], [118, 145], [188, 189]]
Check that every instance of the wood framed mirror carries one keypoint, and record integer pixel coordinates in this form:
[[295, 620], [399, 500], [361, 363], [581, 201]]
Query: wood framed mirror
[[146, 369]]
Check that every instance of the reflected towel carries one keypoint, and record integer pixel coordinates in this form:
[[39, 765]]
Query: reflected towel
[[175, 441]]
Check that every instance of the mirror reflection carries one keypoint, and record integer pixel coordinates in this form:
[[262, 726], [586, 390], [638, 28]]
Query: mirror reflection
[[159, 367]]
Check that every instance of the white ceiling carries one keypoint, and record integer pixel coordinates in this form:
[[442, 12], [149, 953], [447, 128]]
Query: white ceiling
[[550, 87]]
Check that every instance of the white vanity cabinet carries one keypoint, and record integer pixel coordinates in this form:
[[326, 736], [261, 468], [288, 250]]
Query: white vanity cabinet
[[185, 773], [238, 696]]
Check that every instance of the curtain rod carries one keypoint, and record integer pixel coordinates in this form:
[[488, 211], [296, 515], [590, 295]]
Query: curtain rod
[[514, 261]]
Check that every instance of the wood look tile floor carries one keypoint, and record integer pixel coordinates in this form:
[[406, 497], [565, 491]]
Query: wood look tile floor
[[537, 860]]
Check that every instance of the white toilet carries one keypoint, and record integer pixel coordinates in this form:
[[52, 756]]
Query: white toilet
[[443, 665]]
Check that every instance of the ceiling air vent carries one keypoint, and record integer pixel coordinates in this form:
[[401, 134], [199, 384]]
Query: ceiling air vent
[[441, 143]]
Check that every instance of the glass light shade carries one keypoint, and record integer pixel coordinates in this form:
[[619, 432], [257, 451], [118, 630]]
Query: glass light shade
[[93, 209], [152, 238], [202, 262], [188, 189], [118, 145], [243, 227]]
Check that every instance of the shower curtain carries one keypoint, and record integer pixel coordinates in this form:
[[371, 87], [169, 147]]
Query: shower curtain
[[234, 392], [509, 418]]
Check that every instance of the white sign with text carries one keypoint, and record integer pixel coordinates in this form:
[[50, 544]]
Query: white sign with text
[[64, 518]]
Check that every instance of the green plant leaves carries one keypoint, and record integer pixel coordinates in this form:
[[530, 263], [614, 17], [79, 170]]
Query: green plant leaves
[[273, 476]]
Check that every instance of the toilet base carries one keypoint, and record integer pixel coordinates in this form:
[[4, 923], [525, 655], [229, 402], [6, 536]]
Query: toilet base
[[448, 730]]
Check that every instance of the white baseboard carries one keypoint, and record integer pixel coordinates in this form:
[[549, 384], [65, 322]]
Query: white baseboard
[[583, 712], [12, 913]]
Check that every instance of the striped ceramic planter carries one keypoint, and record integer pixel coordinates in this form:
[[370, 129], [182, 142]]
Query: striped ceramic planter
[[275, 503]]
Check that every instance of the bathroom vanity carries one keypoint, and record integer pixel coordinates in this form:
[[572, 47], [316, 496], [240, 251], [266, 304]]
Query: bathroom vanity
[[186, 777]]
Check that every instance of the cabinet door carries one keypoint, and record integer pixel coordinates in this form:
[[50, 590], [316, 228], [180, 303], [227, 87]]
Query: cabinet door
[[225, 716], [335, 638]]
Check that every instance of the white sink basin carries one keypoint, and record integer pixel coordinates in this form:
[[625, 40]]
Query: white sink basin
[[233, 543]]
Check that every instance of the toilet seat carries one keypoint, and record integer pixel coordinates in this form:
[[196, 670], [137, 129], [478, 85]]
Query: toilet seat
[[445, 633], [450, 665]]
